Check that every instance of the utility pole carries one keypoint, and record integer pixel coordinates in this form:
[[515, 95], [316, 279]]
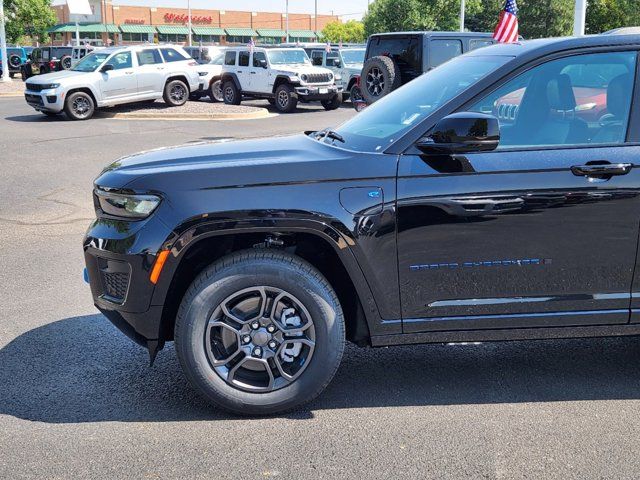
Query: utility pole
[[287, 19], [579, 19], [315, 29], [3, 47], [189, 20], [462, 15]]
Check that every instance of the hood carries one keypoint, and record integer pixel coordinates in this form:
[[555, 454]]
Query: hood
[[292, 159], [299, 69], [354, 67], [55, 76]]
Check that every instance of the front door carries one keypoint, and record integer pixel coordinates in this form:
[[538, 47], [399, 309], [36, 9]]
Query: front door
[[534, 233], [121, 82], [259, 74]]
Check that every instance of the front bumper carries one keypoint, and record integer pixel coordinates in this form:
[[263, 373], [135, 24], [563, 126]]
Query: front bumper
[[119, 256], [321, 92], [45, 100]]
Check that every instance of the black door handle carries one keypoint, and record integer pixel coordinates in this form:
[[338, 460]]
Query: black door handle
[[253, 73], [602, 170]]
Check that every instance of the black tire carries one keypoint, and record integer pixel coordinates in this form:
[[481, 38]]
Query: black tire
[[25, 72], [215, 91], [246, 271], [355, 95], [334, 103], [176, 93], [65, 62], [380, 76], [14, 61], [79, 106], [272, 101], [286, 99], [232, 96]]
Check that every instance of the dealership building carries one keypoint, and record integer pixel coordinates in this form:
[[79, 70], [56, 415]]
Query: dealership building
[[112, 24]]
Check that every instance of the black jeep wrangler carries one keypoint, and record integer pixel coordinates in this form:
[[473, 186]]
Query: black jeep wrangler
[[46, 60], [393, 59]]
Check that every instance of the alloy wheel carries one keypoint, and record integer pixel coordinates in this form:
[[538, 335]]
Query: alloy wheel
[[81, 106], [216, 90], [283, 98], [177, 93], [375, 81], [260, 339]]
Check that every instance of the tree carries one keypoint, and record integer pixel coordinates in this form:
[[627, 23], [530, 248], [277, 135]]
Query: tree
[[28, 18], [350, 32], [603, 15]]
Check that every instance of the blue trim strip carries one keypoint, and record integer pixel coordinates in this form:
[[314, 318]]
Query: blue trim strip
[[518, 315]]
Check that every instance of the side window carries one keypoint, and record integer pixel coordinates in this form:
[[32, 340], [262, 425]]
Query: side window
[[230, 58], [243, 59], [479, 43], [121, 60], [442, 50], [333, 59], [45, 54], [257, 57], [316, 57], [583, 99], [172, 55], [149, 57]]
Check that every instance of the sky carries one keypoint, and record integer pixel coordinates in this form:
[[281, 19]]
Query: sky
[[349, 9]]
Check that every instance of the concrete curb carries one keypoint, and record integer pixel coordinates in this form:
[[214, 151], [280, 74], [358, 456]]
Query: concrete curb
[[17, 94], [262, 113]]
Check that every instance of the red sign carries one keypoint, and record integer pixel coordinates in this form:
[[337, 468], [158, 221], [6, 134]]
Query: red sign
[[184, 18], [134, 21]]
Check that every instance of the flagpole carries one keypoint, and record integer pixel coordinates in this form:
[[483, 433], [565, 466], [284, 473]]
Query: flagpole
[[189, 19], [579, 19], [462, 15], [6, 77], [287, 19]]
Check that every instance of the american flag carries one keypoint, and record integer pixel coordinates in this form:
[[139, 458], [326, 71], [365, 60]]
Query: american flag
[[507, 29], [327, 47], [251, 45]]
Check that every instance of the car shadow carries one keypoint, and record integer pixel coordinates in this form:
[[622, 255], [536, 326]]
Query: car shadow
[[81, 369]]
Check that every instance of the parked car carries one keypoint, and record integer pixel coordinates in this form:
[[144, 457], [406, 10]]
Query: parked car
[[346, 63], [205, 53], [394, 59], [81, 51], [45, 60], [284, 76], [424, 219], [115, 76], [17, 56], [211, 75]]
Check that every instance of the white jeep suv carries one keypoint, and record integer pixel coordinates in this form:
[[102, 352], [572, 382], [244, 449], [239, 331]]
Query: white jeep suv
[[113, 76], [284, 76]]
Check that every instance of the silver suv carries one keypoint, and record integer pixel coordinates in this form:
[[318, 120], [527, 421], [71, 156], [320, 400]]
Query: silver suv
[[114, 76], [284, 76], [345, 62]]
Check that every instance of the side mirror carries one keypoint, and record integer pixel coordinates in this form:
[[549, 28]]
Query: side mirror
[[462, 133], [106, 68], [263, 63]]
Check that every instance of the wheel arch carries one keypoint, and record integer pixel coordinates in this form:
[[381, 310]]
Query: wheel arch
[[279, 80], [86, 90], [180, 77], [320, 245], [231, 77]]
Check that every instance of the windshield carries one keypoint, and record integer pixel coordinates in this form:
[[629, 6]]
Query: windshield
[[91, 62], [288, 57], [389, 118], [14, 51], [217, 59], [353, 56]]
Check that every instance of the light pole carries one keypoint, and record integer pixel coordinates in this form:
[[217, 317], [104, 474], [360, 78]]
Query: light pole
[[315, 18], [3, 47], [189, 20], [286, 19], [579, 17], [462, 15]]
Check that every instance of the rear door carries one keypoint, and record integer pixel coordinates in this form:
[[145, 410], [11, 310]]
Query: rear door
[[150, 72], [542, 231]]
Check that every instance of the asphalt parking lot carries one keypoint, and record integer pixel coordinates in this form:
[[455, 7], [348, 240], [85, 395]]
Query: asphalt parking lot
[[79, 400]]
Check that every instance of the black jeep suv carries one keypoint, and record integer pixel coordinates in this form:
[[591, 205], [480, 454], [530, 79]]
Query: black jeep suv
[[393, 59], [46, 60], [494, 198]]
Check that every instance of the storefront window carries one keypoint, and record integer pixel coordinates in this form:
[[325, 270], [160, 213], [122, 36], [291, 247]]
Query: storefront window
[[238, 39], [172, 38], [206, 38], [135, 37], [270, 40]]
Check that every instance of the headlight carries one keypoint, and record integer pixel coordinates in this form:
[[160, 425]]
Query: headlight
[[304, 77], [126, 205], [338, 77], [49, 86], [202, 74], [330, 76]]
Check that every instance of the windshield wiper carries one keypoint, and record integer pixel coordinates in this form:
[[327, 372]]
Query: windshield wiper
[[328, 133]]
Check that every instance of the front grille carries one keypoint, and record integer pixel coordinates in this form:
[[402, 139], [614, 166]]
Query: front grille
[[33, 99], [115, 284], [34, 87], [318, 78]]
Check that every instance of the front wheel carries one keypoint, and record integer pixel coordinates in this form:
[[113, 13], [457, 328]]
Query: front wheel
[[232, 96], [286, 98], [260, 332], [176, 93], [215, 91], [79, 106], [334, 103], [355, 94]]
